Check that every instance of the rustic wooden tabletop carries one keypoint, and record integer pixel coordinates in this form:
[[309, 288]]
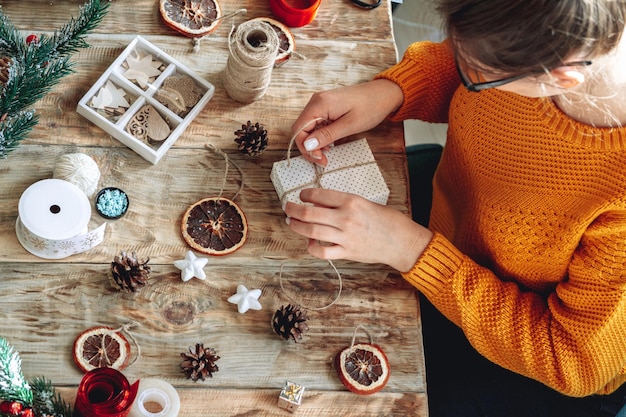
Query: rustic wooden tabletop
[[46, 303]]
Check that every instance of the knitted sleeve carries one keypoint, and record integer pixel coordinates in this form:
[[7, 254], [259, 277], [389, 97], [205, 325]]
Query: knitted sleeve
[[428, 78], [572, 339]]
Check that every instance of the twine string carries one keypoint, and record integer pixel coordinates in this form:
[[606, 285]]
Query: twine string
[[227, 161], [292, 299], [356, 329], [252, 46], [125, 328], [319, 171], [196, 41]]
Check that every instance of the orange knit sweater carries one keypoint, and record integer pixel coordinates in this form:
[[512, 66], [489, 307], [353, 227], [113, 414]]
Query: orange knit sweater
[[529, 216]]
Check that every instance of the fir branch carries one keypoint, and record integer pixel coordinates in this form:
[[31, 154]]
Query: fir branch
[[71, 37], [10, 39], [46, 401], [13, 386], [37, 81], [36, 68], [14, 128]]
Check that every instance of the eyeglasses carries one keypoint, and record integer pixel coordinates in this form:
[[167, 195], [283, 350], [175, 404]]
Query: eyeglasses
[[474, 81]]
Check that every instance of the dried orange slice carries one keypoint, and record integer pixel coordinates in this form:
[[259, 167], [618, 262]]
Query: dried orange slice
[[101, 347], [286, 41], [215, 226], [363, 368], [192, 18]]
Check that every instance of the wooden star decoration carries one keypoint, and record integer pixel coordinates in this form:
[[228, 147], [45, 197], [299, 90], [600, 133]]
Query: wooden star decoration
[[141, 69]]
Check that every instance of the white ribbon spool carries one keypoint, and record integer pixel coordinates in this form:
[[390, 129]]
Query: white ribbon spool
[[52, 220], [159, 392]]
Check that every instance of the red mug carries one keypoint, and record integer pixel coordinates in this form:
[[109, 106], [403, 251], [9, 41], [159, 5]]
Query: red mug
[[295, 13]]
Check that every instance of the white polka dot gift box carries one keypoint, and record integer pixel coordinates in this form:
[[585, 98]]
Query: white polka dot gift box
[[351, 168]]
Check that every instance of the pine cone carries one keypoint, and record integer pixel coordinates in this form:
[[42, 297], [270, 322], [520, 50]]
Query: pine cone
[[251, 138], [289, 322], [199, 362], [129, 274], [4, 69]]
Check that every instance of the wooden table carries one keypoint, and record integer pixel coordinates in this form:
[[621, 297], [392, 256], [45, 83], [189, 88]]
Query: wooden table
[[47, 303]]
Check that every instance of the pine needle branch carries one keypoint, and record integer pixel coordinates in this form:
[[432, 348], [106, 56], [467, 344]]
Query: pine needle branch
[[13, 386], [46, 401], [36, 68]]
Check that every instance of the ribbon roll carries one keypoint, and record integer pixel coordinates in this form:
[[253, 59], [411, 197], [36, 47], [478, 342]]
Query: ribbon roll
[[52, 221], [104, 392], [159, 396]]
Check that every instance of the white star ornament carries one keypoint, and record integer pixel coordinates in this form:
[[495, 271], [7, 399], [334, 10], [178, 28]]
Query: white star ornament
[[191, 267], [246, 299]]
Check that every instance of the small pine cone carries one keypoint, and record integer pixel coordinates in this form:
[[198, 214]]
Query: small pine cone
[[290, 322], [251, 138], [5, 63], [129, 274], [199, 362]]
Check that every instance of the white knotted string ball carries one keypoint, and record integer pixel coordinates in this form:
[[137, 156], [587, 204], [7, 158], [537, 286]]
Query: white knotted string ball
[[79, 169]]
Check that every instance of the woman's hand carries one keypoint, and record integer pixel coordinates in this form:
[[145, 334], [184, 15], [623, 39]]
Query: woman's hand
[[354, 228], [342, 112]]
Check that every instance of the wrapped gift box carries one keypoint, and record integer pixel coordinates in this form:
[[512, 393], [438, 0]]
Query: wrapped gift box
[[351, 168], [134, 90], [290, 396]]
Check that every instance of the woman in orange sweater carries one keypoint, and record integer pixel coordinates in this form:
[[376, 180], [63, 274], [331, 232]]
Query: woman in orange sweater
[[526, 247]]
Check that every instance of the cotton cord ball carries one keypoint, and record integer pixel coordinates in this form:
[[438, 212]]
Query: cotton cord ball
[[79, 169]]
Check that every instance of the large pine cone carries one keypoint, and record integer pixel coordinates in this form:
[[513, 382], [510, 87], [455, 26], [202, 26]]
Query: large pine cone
[[251, 138], [199, 362], [290, 322], [129, 274]]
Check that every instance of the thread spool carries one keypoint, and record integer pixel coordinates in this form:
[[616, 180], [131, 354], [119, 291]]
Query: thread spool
[[155, 392], [78, 169], [253, 46]]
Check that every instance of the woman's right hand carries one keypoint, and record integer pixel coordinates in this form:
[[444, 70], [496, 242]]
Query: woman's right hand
[[342, 112]]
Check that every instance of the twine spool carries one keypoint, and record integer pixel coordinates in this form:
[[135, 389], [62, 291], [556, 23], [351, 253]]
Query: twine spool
[[78, 169], [253, 46]]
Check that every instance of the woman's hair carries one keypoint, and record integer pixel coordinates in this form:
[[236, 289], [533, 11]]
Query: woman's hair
[[517, 36]]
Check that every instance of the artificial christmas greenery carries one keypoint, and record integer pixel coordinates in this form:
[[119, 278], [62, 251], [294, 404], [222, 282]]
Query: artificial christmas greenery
[[38, 394], [36, 65]]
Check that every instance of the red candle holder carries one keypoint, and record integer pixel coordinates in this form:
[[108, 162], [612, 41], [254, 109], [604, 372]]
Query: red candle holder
[[295, 13]]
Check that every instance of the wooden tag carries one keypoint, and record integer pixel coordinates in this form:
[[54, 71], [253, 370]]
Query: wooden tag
[[147, 124]]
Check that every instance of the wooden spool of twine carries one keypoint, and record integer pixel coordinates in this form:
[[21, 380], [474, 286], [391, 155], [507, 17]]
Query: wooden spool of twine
[[253, 46]]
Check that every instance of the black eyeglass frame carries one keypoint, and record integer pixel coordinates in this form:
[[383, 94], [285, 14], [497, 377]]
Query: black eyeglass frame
[[476, 87]]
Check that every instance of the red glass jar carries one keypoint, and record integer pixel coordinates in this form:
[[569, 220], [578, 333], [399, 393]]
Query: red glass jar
[[295, 13]]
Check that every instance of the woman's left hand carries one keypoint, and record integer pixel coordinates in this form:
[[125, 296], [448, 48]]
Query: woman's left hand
[[346, 226]]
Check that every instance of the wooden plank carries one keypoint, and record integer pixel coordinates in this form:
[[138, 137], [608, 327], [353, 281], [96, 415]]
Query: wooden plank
[[47, 305], [290, 89], [160, 194], [262, 403], [335, 19]]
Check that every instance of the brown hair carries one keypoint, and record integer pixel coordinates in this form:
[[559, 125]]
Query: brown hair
[[517, 36]]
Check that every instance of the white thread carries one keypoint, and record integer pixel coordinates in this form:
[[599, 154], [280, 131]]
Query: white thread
[[78, 169]]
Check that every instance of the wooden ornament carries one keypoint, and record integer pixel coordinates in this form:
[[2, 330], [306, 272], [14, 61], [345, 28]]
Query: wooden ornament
[[179, 93], [142, 69], [148, 125]]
